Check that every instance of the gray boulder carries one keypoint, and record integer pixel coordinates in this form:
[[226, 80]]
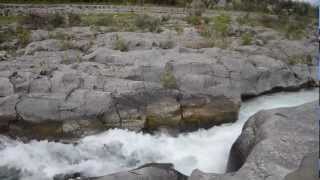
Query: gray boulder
[[272, 145], [45, 45], [39, 35], [7, 111], [6, 88]]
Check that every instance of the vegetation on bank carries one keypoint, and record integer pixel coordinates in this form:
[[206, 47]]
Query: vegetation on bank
[[124, 2], [292, 19], [269, 6]]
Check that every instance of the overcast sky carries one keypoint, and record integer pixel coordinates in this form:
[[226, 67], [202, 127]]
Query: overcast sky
[[311, 1]]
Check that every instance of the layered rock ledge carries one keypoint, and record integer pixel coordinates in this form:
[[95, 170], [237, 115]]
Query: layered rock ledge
[[47, 90]]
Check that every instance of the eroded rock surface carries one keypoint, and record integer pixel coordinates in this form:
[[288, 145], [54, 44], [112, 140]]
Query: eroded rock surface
[[83, 85]]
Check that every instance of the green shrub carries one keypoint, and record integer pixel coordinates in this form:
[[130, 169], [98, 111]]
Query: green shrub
[[145, 22], [120, 44], [74, 19], [168, 80], [2, 37], [56, 20], [246, 39], [105, 21], [43, 21], [165, 18], [66, 44], [23, 36], [216, 34], [7, 34], [178, 29], [299, 59], [34, 21], [294, 32], [221, 24], [6, 20], [194, 20], [59, 35]]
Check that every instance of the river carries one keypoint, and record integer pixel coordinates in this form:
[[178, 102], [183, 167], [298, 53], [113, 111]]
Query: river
[[118, 150]]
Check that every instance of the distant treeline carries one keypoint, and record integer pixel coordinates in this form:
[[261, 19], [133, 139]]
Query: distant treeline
[[159, 2], [273, 6]]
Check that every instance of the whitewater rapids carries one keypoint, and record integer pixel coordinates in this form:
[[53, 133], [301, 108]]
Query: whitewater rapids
[[118, 150]]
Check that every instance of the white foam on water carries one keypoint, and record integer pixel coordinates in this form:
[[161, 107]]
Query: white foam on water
[[118, 150]]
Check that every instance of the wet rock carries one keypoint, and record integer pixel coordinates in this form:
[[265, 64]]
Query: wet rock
[[199, 175], [148, 172], [7, 173], [73, 176], [273, 143]]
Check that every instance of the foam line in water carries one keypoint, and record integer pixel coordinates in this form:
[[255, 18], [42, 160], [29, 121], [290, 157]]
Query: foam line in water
[[118, 150]]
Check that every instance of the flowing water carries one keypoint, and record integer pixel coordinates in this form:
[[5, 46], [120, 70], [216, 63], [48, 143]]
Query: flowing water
[[118, 150]]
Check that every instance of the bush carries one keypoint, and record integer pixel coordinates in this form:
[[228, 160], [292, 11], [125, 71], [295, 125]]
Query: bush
[[197, 7], [246, 39], [165, 18], [168, 80], [66, 44], [149, 23], [23, 36], [34, 21], [74, 19], [105, 21], [59, 35], [178, 29], [56, 20], [120, 44], [300, 59], [221, 24], [194, 20], [217, 32], [7, 35], [294, 32], [2, 37], [43, 21]]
